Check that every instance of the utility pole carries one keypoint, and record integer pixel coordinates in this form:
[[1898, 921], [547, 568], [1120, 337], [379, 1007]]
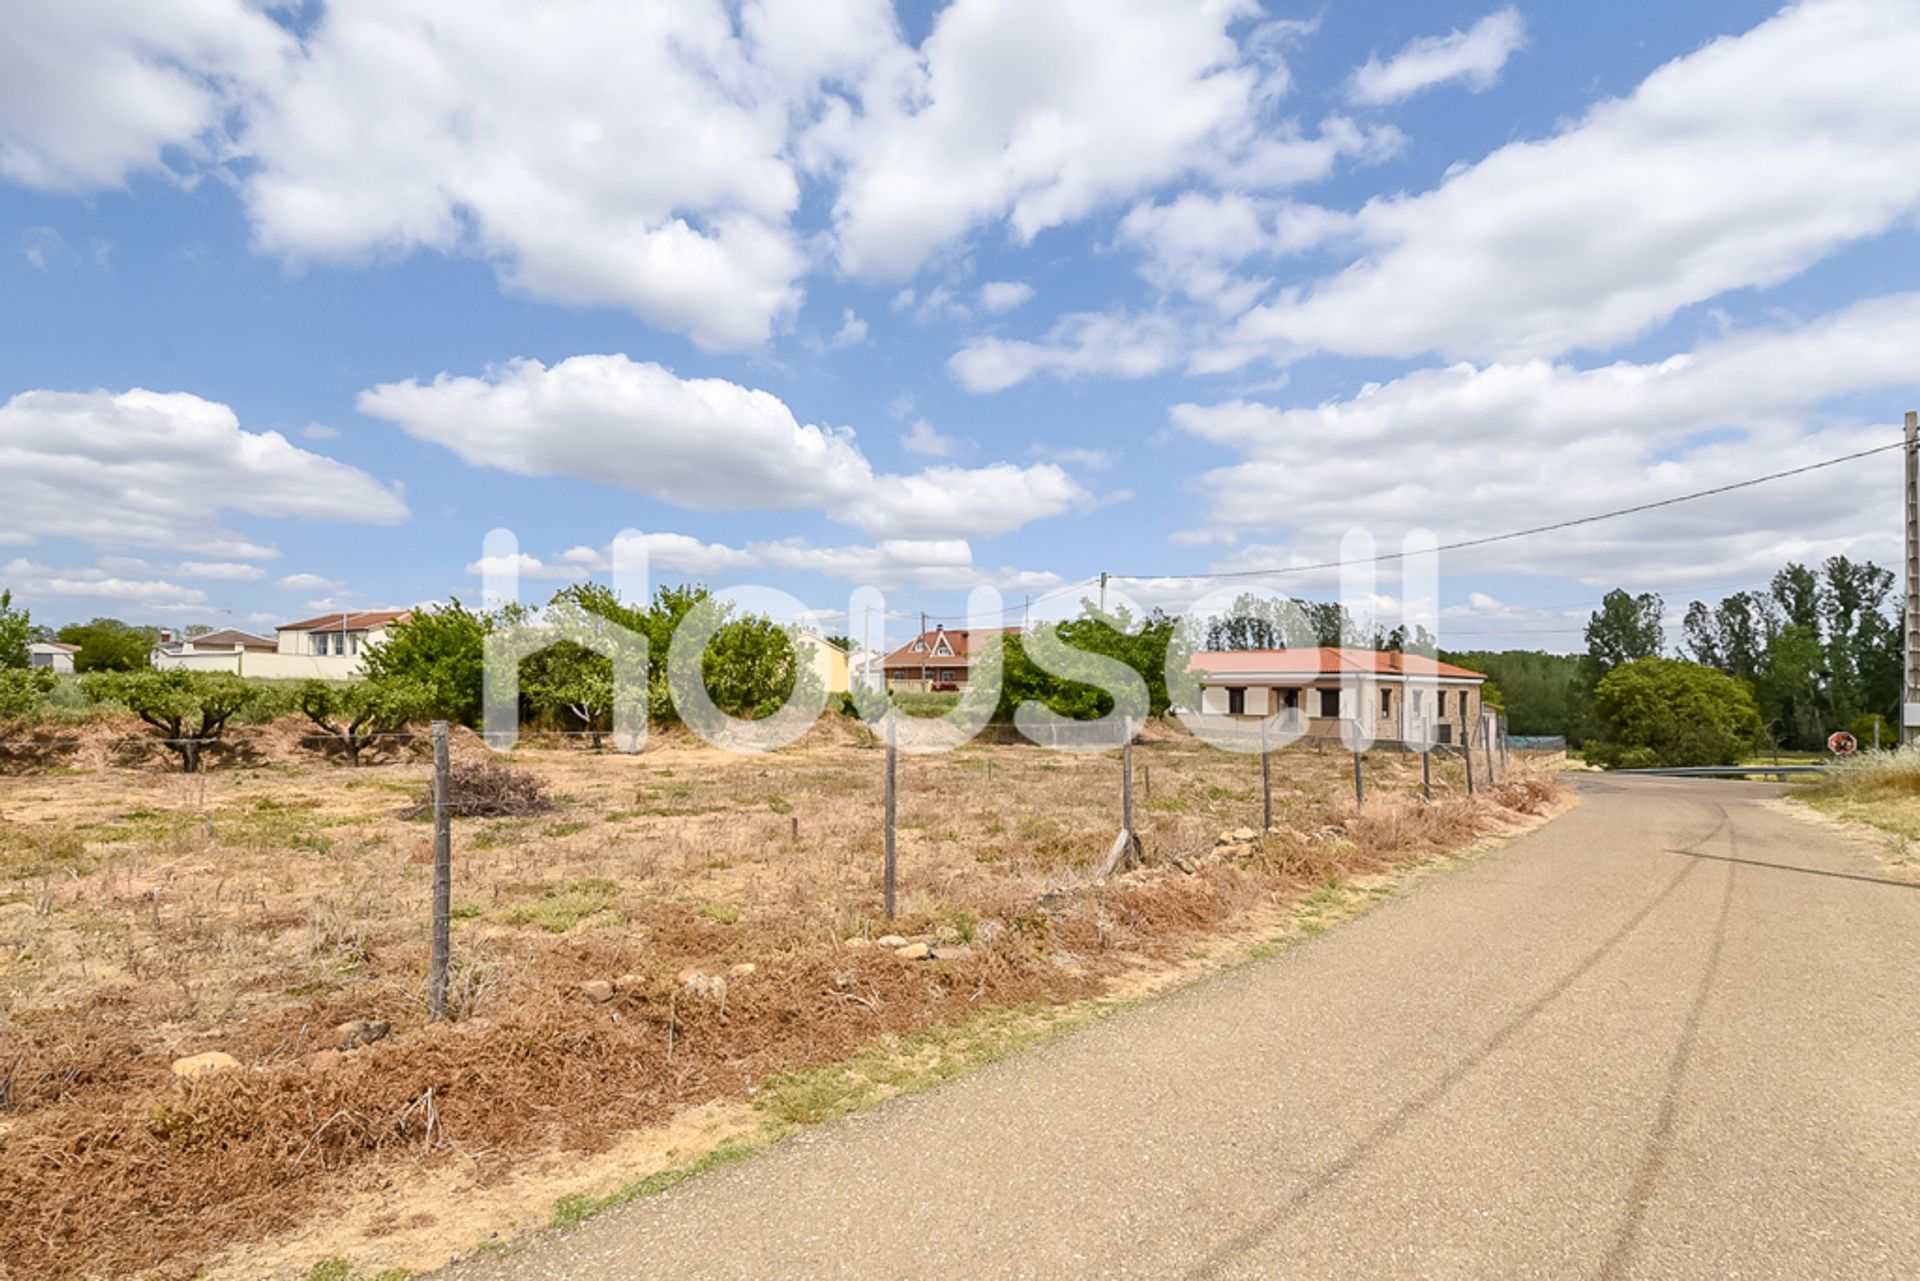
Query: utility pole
[[1103, 593], [1910, 686], [1026, 615]]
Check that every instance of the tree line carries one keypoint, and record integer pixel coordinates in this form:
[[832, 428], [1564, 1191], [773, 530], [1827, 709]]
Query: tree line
[[1819, 649]]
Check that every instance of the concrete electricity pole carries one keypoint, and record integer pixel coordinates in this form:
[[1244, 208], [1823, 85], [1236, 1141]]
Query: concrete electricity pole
[[1910, 687]]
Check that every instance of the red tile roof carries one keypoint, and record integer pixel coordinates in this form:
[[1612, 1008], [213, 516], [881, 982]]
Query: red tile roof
[[958, 640], [355, 621], [1326, 660]]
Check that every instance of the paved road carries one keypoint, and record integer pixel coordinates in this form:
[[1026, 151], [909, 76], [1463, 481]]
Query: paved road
[[1672, 1034]]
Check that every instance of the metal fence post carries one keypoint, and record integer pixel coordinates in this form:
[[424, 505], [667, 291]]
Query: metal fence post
[[887, 878], [1359, 783], [442, 877], [1426, 774], [1266, 778]]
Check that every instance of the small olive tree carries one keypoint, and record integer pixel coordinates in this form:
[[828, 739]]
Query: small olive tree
[[189, 709]]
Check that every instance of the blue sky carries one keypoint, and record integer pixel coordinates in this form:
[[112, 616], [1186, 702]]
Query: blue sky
[[301, 301]]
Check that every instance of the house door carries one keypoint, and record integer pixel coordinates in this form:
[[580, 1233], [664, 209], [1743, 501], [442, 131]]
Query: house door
[[1236, 701]]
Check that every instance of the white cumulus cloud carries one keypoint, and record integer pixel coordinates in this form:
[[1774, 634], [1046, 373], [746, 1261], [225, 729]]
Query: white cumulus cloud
[[703, 443], [144, 468], [1736, 166], [1473, 57]]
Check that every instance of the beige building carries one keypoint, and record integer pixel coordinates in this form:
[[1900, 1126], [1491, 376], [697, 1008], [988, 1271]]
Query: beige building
[[1385, 691], [218, 651], [331, 647]]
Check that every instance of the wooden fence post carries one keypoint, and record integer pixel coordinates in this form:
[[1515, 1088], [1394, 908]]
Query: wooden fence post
[[1266, 778], [442, 877], [1486, 743], [1426, 774], [1466, 758], [891, 810]]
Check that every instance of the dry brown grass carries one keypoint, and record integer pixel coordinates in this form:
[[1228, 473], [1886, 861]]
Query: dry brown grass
[[144, 915]]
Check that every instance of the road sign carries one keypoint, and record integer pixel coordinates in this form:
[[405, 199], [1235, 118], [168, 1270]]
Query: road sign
[[1841, 743]]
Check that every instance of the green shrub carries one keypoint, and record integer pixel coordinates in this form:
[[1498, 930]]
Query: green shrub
[[1665, 712]]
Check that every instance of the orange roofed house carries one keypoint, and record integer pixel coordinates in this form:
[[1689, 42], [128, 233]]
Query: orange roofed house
[[1394, 689], [941, 659]]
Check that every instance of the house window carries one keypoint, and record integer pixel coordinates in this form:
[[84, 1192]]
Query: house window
[[1446, 731], [1386, 702], [1419, 704], [1440, 700], [1330, 702], [1290, 699], [946, 673], [919, 647], [1236, 701]]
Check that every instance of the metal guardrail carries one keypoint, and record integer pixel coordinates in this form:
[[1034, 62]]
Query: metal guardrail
[[1724, 771]]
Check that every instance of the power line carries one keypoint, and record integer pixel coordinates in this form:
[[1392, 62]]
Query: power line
[[1530, 531]]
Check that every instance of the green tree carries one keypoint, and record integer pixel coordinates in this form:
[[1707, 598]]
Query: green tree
[[441, 650], [189, 709], [1546, 694], [752, 665], [109, 645], [1663, 711], [1142, 645], [358, 715], [567, 681], [1623, 629], [1862, 642], [1791, 685], [16, 633], [1263, 622], [1732, 635]]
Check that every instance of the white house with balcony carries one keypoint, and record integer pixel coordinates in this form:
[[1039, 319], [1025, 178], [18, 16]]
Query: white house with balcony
[[332, 646]]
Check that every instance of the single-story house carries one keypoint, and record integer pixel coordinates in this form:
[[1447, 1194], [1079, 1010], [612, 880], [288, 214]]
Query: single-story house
[[941, 659], [1384, 690], [52, 655], [224, 650]]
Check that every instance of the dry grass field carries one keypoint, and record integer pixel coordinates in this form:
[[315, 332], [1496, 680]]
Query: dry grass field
[[146, 916]]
